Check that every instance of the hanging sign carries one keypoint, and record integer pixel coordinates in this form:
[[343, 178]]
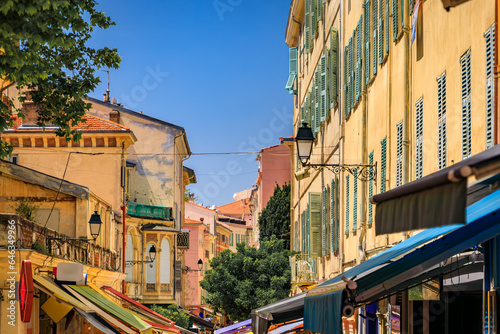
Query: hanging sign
[[26, 291]]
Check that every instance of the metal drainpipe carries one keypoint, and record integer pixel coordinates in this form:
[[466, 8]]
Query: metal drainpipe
[[389, 118], [341, 150]]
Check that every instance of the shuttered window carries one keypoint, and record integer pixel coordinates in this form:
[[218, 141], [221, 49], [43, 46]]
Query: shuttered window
[[395, 16], [303, 224], [314, 22], [334, 215], [489, 37], [296, 236], [466, 104], [352, 79], [319, 9], [370, 190], [359, 48], [441, 81], [380, 32], [334, 46], [315, 224], [383, 165], [367, 63], [355, 201], [324, 221], [399, 154], [419, 163], [317, 98], [347, 212], [323, 82], [386, 23], [307, 25], [291, 86], [346, 80], [375, 22]]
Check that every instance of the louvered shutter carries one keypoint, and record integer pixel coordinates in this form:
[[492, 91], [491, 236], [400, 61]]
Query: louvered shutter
[[367, 62], [333, 67], [333, 214], [303, 223], [489, 36], [292, 71], [347, 211], [399, 154], [395, 26], [383, 165], [346, 80], [442, 145], [314, 22], [319, 9], [419, 106], [308, 229], [387, 26], [317, 98], [315, 223], [323, 106], [359, 45], [466, 104], [380, 32], [351, 77], [302, 113], [375, 21], [355, 200], [370, 190], [324, 203], [178, 275], [307, 24], [309, 109]]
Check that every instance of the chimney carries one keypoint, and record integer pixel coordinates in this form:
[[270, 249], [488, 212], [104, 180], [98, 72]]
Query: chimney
[[114, 116]]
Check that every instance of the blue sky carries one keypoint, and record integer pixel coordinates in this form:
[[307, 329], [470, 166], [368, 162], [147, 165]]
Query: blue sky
[[215, 67]]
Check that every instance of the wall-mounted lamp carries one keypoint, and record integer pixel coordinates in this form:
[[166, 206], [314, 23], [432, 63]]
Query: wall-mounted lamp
[[152, 257], [305, 139], [200, 267], [95, 229]]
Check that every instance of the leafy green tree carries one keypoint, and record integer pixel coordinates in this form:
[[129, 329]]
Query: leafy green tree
[[190, 196], [44, 52], [248, 279], [173, 313], [275, 217]]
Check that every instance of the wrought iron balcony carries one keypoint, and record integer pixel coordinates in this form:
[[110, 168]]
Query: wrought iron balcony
[[304, 269], [150, 211], [183, 240]]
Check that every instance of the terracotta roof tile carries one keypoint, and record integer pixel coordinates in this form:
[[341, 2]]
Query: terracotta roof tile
[[199, 206], [237, 207], [92, 124]]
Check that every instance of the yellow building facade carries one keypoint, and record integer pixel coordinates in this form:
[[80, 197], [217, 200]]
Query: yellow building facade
[[376, 99]]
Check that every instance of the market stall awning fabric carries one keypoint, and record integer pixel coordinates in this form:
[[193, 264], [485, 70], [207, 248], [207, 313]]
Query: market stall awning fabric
[[98, 322], [240, 327], [376, 276], [288, 309]]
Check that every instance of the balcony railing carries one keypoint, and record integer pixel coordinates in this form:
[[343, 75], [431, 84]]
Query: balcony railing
[[150, 211], [183, 240], [304, 269]]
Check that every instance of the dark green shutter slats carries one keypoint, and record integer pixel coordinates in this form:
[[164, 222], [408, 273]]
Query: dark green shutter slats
[[292, 71], [489, 37], [399, 154], [333, 67], [380, 32], [367, 62], [442, 145], [386, 26], [347, 204], [323, 83], [370, 190], [314, 22], [317, 98], [319, 9], [302, 113], [315, 223], [359, 47], [355, 200], [346, 79], [395, 26], [333, 216], [324, 210], [351, 74], [383, 165], [376, 23], [419, 106], [307, 24], [466, 104]]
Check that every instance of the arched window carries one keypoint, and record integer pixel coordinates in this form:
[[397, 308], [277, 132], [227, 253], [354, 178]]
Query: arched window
[[165, 262], [150, 271], [129, 256]]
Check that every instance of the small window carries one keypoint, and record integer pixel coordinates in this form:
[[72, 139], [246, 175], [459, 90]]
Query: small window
[[14, 159]]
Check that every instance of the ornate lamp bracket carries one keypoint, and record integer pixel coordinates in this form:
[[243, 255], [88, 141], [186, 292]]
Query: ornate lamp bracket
[[361, 172]]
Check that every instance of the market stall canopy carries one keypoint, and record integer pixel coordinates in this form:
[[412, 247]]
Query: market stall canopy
[[98, 322], [240, 328], [288, 309], [435, 200], [287, 328]]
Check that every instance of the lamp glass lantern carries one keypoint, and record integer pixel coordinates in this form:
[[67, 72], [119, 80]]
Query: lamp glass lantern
[[304, 140], [95, 225], [200, 264], [152, 253]]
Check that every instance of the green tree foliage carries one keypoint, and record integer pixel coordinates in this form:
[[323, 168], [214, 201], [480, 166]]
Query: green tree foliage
[[248, 279], [43, 50], [190, 196], [275, 217], [173, 313]]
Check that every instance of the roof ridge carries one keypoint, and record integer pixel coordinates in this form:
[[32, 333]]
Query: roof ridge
[[106, 121]]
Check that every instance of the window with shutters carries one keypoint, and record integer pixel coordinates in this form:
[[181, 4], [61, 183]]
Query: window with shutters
[[381, 30], [441, 81], [419, 163], [296, 237], [324, 220], [355, 200], [334, 215], [359, 45], [291, 85], [307, 25], [351, 74], [375, 27], [466, 104], [367, 62], [334, 46], [346, 80], [231, 240], [489, 37], [347, 212], [303, 225], [395, 18], [383, 165], [370, 190], [308, 229], [319, 9], [386, 26], [399, 154], [323, 83], [314, 22], [315, 224], [317, 98]]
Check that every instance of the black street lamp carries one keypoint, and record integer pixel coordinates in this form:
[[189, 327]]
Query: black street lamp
[[305, 139], [200, 267], [200, 264], [95, 225], [152, 257]]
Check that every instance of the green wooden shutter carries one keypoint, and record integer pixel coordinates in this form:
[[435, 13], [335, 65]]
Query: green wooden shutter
[[308, 229], [307, 24], [351, 77], [292, 71], [359, 45], [383, 165], [324, 205], [346, 80], [395, 26], [399, 154], [347, 211], [315, 223], [319, 9], [355, 201], [370, 190], [419, 106], [323, 106], [309, 108], [442, 145], [466, 105], [314, 22], [387, 26], [367, 62], [333, 67], [333, 216], [380, 32], [375, 23], [489, 37], [302, 113], [303, 224], [317, 98], [410, 7]]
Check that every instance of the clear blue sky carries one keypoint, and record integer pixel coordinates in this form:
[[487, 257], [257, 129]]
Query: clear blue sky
[[217, 68]]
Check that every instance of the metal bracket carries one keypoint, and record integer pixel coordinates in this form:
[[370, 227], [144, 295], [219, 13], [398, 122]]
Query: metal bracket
[[361, 172]]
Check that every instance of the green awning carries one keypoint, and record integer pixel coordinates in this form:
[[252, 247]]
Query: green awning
[[110, 307]]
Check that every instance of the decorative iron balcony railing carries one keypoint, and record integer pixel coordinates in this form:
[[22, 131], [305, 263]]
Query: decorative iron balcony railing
[[150, 211], [183, 240], [304, 269]]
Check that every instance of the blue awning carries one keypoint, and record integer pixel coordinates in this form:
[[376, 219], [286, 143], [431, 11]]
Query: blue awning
[[322, 305], [236, 328]]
